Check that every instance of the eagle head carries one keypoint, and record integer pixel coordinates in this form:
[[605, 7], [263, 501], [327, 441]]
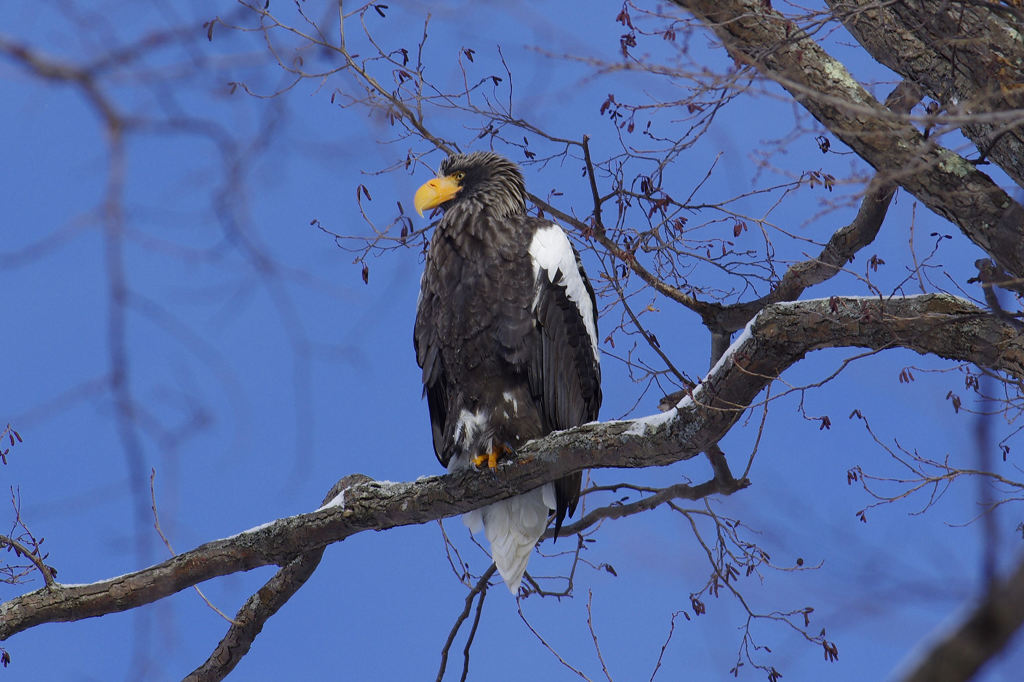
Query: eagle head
[[479, 181]]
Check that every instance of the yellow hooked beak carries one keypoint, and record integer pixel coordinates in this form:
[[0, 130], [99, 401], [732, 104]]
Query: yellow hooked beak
[[435, 192]]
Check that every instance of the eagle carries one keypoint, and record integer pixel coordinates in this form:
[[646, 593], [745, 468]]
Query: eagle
[[506, 336]]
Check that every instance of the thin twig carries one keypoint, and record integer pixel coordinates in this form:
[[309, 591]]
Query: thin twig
[[519, 608], [167, 543], [593, 636], [22, 550], [479, 588]]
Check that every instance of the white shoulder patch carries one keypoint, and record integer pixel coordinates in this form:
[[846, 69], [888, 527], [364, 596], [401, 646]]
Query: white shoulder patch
[[551, 251]]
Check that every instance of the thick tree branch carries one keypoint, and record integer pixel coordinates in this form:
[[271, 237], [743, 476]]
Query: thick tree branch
[[779, 336], [959, 655], [945, 182], [249, 620], [251, 617], [965, 55]]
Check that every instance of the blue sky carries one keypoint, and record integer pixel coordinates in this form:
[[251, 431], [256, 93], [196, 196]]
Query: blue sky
[[264, 369]]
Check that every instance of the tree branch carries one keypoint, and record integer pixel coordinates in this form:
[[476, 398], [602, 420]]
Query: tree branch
[[944, 181], [779, 336], [251, 617], [249, 620], [964, 56], [33, 556], [841, 247], [986, 630]]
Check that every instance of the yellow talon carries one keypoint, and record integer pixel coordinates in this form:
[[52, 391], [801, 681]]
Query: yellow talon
[[491, 458]]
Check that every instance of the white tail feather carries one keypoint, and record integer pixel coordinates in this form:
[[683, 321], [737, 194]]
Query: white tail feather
[[513, 527]]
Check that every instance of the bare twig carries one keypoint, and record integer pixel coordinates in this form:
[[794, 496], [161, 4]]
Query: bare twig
[[167, 544], [479, 589], [23, 551], [540, 638], [593, 636]]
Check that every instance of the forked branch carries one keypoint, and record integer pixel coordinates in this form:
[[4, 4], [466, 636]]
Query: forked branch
[[775, 339]]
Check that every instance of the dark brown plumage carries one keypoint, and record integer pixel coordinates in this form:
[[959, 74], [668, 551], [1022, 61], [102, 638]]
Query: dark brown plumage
[[506, 325]]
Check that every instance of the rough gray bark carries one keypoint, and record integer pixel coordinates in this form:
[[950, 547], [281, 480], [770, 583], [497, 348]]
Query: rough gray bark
[[779, 336], [944, 181], [250, 619], [967, 56]]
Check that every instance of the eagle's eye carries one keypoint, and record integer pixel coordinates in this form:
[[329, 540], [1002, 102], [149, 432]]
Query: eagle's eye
[[459, 175]]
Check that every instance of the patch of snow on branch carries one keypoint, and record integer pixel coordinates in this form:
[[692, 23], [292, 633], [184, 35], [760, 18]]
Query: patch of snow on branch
[[731, 350], [744, 336], [640, 427], [336, 501], [255, 528], [250, 530]]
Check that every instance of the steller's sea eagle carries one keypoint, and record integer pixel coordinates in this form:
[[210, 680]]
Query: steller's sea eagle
[[506, 334]]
